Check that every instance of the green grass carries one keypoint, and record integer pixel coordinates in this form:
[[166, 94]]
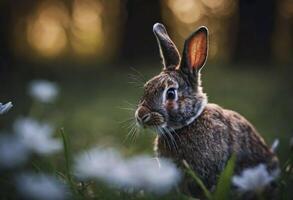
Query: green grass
[[90, 111]]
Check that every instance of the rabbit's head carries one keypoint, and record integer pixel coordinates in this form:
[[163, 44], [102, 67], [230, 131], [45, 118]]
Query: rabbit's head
[[174, 98]]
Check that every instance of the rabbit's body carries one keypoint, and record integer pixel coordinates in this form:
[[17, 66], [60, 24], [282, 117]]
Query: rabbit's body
[[207, 143], [189, 129]]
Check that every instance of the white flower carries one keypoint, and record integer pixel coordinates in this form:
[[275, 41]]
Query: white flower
[[44, 91], [95, 163], [12, 151], [254, 179], [4, 108], [40, 186], [151, 176], [141, 172], [36, 136]]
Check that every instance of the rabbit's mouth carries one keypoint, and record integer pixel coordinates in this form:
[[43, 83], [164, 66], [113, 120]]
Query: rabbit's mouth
[[147, 119], [153, 119]]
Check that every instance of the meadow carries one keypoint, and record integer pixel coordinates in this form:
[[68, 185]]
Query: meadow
[[95, 109]]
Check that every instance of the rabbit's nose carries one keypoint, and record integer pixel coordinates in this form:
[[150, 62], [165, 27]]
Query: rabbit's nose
[[142, 115]]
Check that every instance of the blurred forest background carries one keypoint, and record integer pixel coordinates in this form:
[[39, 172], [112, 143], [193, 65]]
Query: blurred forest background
[[92, 48]]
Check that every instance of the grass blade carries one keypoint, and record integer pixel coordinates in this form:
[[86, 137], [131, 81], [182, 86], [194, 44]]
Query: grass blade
[[68, 157], [207, 193], [224, 183]]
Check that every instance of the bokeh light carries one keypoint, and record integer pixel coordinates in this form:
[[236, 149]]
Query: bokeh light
[[187, 11], [46, 29], [94, 28], [77, 28], [220, 7], [184, 17], [87, 30]]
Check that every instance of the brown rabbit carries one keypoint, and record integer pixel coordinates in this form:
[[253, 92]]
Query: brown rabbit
[[204, 135]]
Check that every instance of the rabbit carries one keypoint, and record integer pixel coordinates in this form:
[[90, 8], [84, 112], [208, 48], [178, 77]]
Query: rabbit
[[190, 129]]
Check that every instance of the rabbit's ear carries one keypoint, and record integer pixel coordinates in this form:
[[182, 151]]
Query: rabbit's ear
[[168, 50], [195, 51]]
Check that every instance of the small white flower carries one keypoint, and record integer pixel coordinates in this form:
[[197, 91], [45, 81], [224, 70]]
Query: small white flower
[[254, 179], [44, 91], [154, 177], [41, 186], [4, 108], [138, 172], [96, 162], [36, 136], [12, 151]]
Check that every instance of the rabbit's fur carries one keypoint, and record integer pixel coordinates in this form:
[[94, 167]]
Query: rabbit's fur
[[204, 135]]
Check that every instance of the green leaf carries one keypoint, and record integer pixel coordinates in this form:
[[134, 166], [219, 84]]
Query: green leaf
[[224, 183]]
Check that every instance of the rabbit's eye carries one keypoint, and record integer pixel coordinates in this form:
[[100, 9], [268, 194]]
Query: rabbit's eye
[[171, 94]]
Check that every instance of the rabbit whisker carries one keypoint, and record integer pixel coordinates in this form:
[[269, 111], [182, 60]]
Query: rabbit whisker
[[173, 141], [127, 108], [134, 134], [139, 74], [131, 133], [125, 123], [161, 131], [136, 81], [172, 130], [130, 104]]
